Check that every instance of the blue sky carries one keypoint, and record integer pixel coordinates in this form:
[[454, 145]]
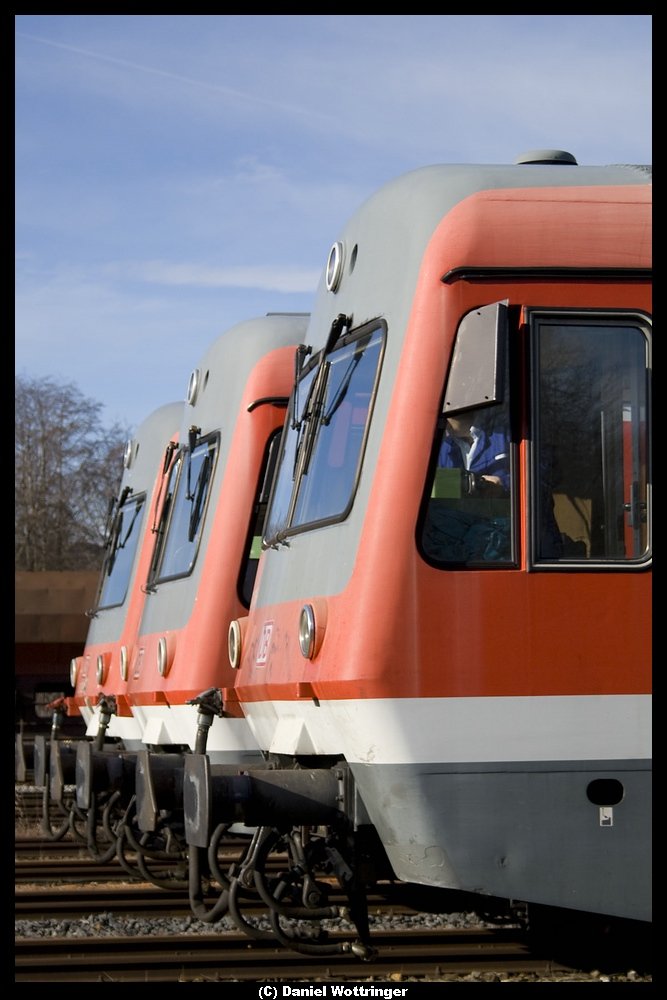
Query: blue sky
[[176, 174]]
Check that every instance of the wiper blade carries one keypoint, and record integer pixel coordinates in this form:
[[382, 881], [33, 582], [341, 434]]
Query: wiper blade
[[300, 356], [198, 497], [315, 415]]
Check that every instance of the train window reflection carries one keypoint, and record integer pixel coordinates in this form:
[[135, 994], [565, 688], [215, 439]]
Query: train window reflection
[[323, 443], [187, 495], [122, 545]]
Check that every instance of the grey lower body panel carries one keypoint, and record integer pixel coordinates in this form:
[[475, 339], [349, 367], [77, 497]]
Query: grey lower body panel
[[536, 832]]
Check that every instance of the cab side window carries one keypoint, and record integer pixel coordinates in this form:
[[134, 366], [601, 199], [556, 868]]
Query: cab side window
[[589, 461], [469, 517]]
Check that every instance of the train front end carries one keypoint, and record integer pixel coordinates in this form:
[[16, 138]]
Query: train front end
[[471, 665]]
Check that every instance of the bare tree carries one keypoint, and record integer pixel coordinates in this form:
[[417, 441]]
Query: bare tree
[[67, 468]]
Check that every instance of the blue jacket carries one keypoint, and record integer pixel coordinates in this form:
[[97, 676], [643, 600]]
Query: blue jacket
[[490, 458]]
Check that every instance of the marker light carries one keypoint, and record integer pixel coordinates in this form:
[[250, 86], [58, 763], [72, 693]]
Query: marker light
[[73, 671], [124, 661]]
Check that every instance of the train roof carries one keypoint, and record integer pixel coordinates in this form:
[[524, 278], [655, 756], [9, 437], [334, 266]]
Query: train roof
[[147, 445], [384, 240], [218, 381], [431, 191]]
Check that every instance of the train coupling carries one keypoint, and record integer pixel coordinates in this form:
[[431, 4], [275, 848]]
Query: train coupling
[[258, 797], [102, 771]]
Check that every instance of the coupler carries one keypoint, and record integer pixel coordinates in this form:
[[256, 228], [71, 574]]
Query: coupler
[[263, 797], [103, 771]]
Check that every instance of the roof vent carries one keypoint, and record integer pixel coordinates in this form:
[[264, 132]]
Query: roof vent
[[546, 156]]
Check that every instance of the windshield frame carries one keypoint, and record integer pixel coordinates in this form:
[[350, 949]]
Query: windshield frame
[[305, 435]]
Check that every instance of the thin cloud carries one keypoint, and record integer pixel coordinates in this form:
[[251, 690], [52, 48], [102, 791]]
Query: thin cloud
[[176, 174], [269, 278]]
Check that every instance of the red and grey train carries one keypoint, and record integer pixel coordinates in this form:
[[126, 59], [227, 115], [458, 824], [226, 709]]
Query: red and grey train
[[156, 651], [450, 669], [99, 675], [441, 672], [203, 568]]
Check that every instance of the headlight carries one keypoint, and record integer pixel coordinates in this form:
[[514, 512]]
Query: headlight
[[235, 642], [99, 672], [312, 626], [334, 268], [162, 657], [127, 453], [73, 671], [193, 387], [124, 663], [307, 631]]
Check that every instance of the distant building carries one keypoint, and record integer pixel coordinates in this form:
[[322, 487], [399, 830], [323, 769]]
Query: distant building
[[50, 627]]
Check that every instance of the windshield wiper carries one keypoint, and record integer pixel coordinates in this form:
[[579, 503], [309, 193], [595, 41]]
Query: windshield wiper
[[314, 417], [300, 356], [193, 434], [198, 497]]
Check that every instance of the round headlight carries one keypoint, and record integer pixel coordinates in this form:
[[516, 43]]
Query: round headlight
[[234, 644], [123, 663], [73, 671], [99, 672], [193, 387], [162, 657], [127, 454], [334, 267], [307, 631]]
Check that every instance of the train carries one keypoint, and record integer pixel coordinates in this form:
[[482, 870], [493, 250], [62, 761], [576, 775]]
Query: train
[[156, 648], [444, 659], [463, 675], [98, 675]]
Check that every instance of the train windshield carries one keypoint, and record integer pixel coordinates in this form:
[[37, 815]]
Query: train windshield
[[324, 436], [121, 547], [187, 494]]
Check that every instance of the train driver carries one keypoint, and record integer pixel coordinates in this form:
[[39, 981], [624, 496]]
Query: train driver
[[483, 452]]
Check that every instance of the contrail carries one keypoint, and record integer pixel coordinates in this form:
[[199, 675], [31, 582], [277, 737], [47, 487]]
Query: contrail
[[229, 92]]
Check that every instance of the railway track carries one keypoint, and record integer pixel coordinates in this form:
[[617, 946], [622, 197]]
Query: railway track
[[73, 869], [132, 933], [211, 957], [57, 882], [144, 900], [76, 898]]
